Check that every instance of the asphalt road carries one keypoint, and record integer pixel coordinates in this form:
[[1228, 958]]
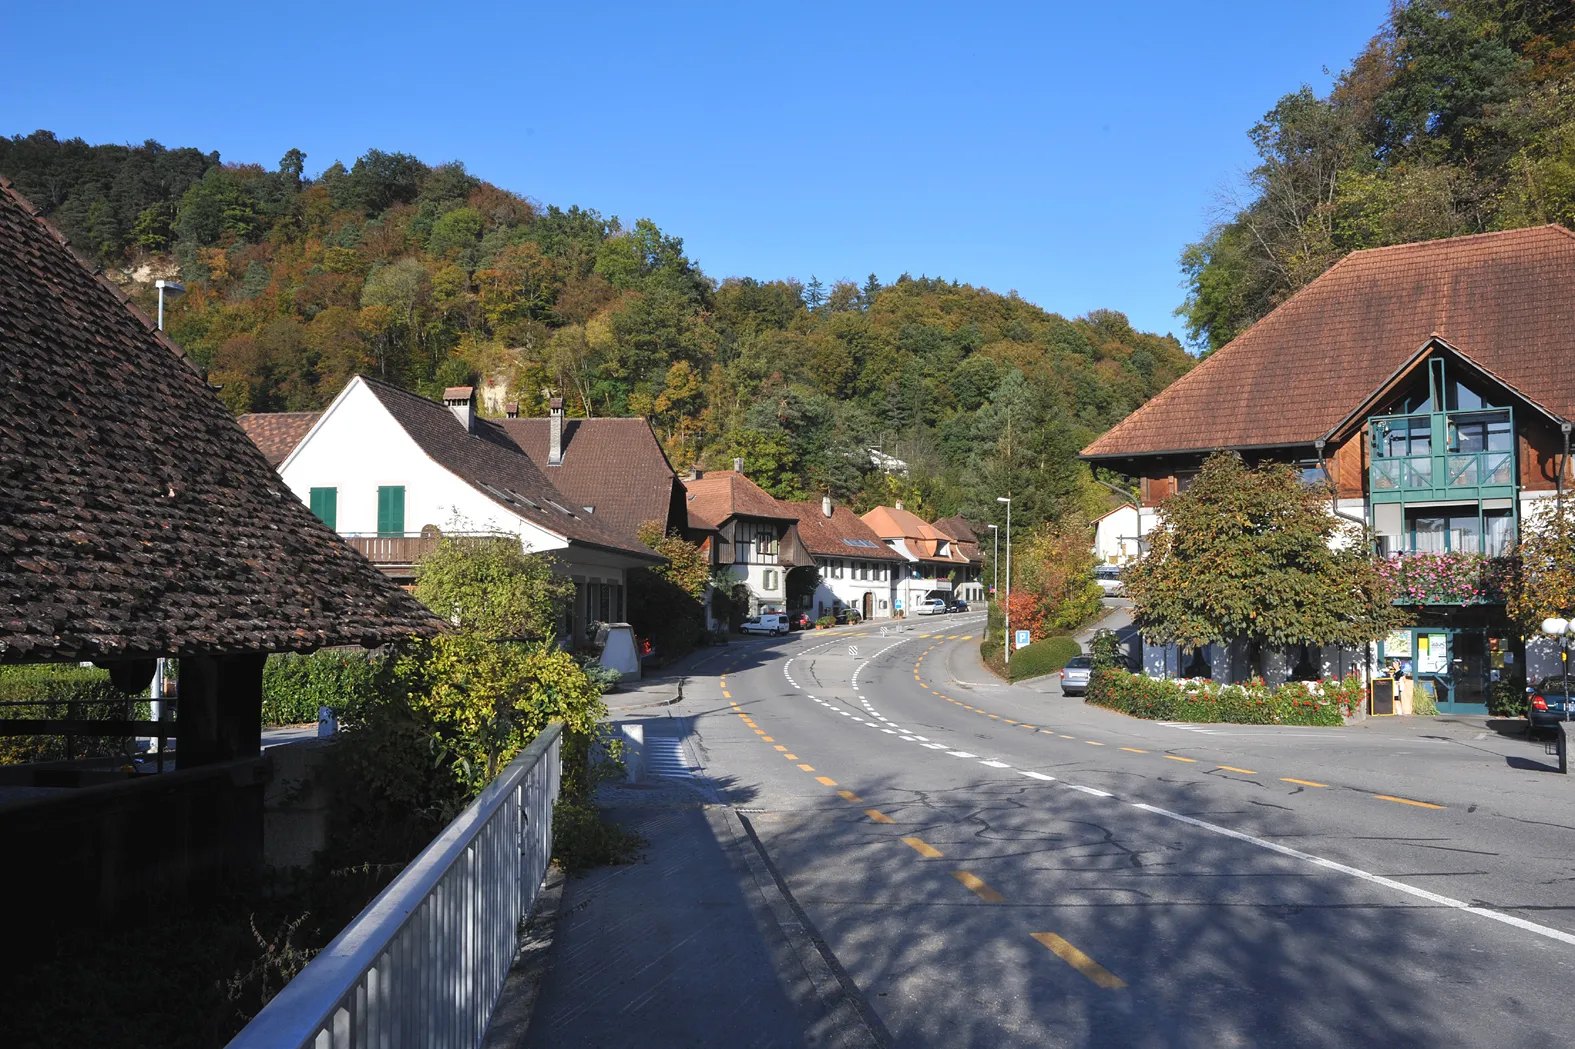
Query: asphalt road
[[1000, 865]]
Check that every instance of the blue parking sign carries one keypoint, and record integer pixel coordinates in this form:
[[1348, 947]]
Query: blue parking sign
[[1022, 639]]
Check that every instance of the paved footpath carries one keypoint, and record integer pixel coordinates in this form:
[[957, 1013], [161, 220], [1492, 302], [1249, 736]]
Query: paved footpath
[[982, 864]]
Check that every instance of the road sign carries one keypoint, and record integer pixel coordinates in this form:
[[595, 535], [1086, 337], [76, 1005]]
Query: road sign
[[1022, 639], [853, 650]]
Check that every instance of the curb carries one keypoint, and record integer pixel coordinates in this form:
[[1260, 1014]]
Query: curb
[[517, 1000], [857, 1025]]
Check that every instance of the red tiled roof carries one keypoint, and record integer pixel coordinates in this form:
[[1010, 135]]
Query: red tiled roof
[[829, 536], [721, 494], [1503, 299], [615, 465], [922, 538], [136, 519], [489, 461], [277, 433]]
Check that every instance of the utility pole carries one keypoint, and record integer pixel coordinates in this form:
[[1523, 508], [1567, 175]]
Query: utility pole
[[1007, 640]]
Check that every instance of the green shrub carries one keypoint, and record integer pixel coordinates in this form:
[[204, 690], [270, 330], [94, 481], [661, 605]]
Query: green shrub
[[63, 690], [295, 686], [825, 622], [582, 838], [1043, 657], [1507, 698], [1250, 703]]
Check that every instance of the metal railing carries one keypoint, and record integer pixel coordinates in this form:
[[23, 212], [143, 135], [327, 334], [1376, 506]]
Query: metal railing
[[424, 963], [410, 547]]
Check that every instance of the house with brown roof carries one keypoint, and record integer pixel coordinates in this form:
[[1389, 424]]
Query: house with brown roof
[[1430, 385], [937, 564], [857, 570], [971, 588], [749, 535], [137, 521], [390, 471]]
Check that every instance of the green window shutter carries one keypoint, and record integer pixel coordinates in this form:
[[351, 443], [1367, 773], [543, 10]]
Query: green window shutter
[[391, 510], [325, 504]]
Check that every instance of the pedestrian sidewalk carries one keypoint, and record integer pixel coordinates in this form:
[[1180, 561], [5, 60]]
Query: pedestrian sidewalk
[[694, 944]]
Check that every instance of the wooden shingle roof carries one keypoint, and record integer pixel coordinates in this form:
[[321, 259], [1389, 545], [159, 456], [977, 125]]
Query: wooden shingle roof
[[277, 433], [840, 535], [1504, 300], [136, 518]]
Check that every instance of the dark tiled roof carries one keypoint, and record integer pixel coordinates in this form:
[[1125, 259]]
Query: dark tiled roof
[[136, 519], [615, 465], [823, 536], [489, 461], [1503, 299], [277, 433], [721, 494]]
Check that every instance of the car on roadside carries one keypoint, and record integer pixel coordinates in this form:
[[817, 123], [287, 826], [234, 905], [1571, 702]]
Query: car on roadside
[[1109, 579], [933, 607], [1546, 706], [958, 605], [765, 623], [1075, 675], [800, 621]]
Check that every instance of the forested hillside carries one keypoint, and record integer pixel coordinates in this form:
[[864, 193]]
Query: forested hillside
[[430, 277], [1458, 117]]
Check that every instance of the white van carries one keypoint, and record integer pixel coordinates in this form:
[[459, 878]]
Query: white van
[[767, 623]]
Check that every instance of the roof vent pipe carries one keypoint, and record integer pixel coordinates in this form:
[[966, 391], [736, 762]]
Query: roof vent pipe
[[825, 505], [512, 409], [738, 466], [899, 504], [461, 400], [555, 432]]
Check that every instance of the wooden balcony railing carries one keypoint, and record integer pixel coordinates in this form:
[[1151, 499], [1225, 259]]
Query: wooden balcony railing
[[410, 547]]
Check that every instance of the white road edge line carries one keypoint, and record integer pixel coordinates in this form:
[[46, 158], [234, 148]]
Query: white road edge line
[[1089, 790], [1034, 775], [961, 754], [995, 764], [1376, 879]]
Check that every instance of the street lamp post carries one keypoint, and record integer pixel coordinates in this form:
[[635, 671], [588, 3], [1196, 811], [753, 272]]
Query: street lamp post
[[1006, 642], [995, 562], [1561, 628], [174, 288]]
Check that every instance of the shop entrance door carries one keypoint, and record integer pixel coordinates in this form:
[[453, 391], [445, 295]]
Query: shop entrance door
[[1451, 666]]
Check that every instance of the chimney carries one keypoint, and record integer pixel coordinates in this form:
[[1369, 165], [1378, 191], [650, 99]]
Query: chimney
[[695, 473], [825, 505], [512, 409], [899, 504], [555, 432], [461, 400], [738, 466]]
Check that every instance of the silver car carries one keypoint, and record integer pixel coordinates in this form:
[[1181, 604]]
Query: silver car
[[1074, 676], [1109, 579]]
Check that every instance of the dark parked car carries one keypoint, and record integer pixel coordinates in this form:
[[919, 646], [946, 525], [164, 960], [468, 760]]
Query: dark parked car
[[958, 605], [800, 621], [1545, 706], [1074, 676]]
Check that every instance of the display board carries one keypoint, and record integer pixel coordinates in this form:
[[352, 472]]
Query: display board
[[1383, 696]]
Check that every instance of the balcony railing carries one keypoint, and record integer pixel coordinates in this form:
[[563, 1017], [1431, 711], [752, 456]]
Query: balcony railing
[[1448, 579], [409, 547], [1467, 470]]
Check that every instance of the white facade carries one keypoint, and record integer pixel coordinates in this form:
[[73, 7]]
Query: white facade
[[867, 587], [1117, 533], [767, 585]]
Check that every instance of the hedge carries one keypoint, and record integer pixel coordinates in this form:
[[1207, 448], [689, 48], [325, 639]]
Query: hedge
[[295, 686], [1035, 660], [62, 690], [1253, 703]]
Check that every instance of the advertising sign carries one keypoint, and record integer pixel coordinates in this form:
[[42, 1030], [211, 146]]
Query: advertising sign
[[1432, 653]]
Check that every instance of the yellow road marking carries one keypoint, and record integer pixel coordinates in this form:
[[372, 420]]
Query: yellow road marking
[[929, 852], [1028, 727], [1135, 750], [848, 795], [766, 738], [980, 889], [1009, 721], [951, 637], [781, 748], [827, 780], [1080, 961], [1093, 742], [1063, 735], [791, 757], [1407, 801], [1303, 782], [1233, 768], [1177, 757], [966, 637], [760, 732], [726, 694], [878, 816], [807, 768]]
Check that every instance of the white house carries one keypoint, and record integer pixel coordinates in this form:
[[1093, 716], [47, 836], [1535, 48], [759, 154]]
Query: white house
[[938, 565], [857, 569], [748, 535], [1118, 534], [390, 470]]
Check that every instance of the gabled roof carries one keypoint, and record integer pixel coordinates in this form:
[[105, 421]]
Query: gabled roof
[[614, 465], [721, 494], [1504, 300], [840, 535], [957, 527], [924, 540], [490, 462], [136, 519], [277, 433]]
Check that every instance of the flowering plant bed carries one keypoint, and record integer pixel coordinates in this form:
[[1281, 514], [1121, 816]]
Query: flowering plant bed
[[1447, 579], [1253, 703]]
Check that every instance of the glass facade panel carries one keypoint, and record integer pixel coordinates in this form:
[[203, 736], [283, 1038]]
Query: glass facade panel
[[1500, 528], [1498, 468], [1462, 471], [1419, 473], [1429, 534], [1386, 474]]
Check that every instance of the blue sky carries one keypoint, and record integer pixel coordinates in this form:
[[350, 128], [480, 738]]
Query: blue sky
[[1068, 151]]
